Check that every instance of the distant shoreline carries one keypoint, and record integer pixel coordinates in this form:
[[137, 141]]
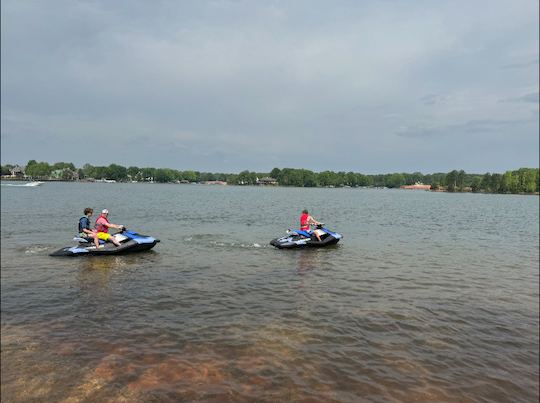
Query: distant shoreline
[[4, 179]]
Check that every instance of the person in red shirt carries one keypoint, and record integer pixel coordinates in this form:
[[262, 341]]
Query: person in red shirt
[[306, 220], [102, 227]]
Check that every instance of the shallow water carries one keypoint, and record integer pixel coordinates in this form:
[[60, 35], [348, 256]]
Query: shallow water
[[429, 297]]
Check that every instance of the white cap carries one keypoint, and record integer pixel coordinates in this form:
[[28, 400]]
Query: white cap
[[104, 211]]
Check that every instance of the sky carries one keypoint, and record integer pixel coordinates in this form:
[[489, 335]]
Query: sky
[[227, 85]]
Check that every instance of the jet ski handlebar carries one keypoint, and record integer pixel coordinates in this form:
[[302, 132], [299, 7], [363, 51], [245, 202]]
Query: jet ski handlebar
[[121, 229]]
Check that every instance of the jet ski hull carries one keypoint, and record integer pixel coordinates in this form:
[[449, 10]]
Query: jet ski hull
[[299, 239], [130, 242]]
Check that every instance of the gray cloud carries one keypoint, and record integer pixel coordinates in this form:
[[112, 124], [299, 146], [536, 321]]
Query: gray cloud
[[434, 99], [232, 85], [532, 97], [486, 126], [521, 65]]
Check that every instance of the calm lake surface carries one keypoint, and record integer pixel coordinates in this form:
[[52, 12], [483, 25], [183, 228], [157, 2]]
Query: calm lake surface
[[429, 297]]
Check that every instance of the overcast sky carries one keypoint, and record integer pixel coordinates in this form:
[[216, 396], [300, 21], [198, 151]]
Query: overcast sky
[[227, 85]]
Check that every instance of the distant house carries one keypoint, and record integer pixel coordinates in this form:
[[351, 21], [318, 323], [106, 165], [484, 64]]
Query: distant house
[[17, 172], [267, 181], [57, 173], [214, 183], [65, 174]]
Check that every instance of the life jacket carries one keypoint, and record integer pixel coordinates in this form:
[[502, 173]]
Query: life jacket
[[100, 227], [304, 226], [84, 223]]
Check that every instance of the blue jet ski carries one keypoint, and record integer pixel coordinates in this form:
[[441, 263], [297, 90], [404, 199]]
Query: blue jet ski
[[130, 241], [304, 239]]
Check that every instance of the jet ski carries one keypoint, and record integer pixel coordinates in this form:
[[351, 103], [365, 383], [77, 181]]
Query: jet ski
[[130, 241], [303, 239]]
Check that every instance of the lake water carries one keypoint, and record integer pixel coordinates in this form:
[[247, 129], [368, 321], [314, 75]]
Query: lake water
[[429, 297]]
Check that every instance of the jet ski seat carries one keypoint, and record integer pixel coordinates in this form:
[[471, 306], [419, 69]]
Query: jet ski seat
[[86, 240]]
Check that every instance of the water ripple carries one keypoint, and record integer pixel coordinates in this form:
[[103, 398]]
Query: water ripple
[[424, 300]]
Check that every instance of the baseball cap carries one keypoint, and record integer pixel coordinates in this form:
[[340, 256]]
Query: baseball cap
[[104, 211]]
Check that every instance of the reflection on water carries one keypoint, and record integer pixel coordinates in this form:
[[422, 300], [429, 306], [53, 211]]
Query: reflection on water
[[307, 260], [409, 307]]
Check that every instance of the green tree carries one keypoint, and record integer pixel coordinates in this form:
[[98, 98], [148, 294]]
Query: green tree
[[509, 183], [460, 180], [164, 175], [147, 174], [245, 178], [190, 176], [6, 169], [30, 163], [395, 180], [485, 183], [89, 171], [38, 170], [207, 176], [527, 179], [63, 166], [275, 173], [116, 172], [309, 178], [133, 173], [451, 180], [475, 185], [232, 179], [100, 172]]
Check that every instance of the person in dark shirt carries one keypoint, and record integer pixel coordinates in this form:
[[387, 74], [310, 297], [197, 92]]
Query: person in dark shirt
[[84, 227]]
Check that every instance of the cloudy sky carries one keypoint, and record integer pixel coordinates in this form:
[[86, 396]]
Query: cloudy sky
[[226, 85]]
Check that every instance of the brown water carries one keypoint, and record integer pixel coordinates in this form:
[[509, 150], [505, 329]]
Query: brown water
[[429, 297]]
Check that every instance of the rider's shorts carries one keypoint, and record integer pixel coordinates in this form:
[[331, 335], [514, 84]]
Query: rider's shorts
[[103, 235]]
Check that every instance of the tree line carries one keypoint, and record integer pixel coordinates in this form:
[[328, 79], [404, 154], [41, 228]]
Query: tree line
[[523, 180]]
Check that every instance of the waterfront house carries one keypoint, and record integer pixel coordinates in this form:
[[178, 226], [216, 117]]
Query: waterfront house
[[17, 172], [267, 181]]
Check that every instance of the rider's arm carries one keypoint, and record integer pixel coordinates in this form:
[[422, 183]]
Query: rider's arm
[[111, 225], [311, 220]]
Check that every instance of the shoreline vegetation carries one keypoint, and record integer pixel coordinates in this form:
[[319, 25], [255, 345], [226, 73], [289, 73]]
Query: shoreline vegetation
[[520, 181]]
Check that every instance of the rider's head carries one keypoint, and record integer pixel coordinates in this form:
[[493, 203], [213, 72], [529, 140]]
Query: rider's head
[[88, 210], [304, 211], [104, 211]]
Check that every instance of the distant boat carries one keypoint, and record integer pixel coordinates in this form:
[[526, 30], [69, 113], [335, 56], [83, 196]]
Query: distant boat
[[25, 185], [106, 180]]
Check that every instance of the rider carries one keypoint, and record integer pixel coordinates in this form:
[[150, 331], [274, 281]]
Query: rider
[[306, 220], [84, 226], [102, 227]]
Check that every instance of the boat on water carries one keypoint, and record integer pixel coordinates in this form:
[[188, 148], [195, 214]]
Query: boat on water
[[26, 185], [130, 242], [305, 239]]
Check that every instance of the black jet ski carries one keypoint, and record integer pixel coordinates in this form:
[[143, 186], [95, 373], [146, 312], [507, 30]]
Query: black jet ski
[[130, 241], [303, 239]]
